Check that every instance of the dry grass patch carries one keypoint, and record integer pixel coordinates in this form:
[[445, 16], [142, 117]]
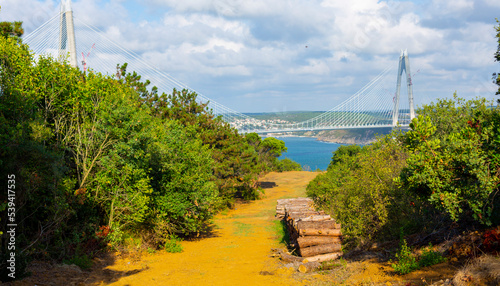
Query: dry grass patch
[[484, 270]]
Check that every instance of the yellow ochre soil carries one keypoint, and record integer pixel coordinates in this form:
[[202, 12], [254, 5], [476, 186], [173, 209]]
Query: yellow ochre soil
[[238, 252]]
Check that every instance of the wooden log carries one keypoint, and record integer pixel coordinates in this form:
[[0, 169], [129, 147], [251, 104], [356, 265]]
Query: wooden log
[[299, 207], [323, 257], [320, 249], [325, 224], [293, 201], [305, 241], [316, 218], [309, 266], [295, 205], [287, 257], [324, 231], [304, 214]]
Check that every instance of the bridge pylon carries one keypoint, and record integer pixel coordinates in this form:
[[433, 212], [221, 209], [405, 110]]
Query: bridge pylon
[[67, 41], [404, 65]]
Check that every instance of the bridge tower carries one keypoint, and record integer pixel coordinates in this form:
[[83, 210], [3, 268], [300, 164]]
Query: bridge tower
[[67, 41], [404, 65]]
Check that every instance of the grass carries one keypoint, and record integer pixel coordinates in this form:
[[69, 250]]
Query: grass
[[242, 229], [278, 229]]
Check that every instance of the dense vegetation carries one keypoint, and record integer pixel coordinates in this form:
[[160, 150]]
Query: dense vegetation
[[444, 170], [101, 159]]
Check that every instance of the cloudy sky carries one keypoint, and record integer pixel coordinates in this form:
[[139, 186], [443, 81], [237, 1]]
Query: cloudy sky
[[285, 55]]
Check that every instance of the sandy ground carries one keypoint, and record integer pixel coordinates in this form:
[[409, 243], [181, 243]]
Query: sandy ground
[[237, 253]]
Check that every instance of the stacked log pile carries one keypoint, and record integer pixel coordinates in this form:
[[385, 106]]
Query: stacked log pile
[[315, 235]]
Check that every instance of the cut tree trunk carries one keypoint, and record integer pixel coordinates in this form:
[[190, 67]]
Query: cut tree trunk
[[323, 257], [288, 258], [327, 232], [309, 267], [320, 249], [316, 218], [281, 201], [318, 224], [305, 241]]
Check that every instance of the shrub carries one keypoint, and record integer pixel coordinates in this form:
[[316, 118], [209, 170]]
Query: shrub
[[430, 257], [358, 190], [406, 260], [172, 245], [288, 165], [454, 157]]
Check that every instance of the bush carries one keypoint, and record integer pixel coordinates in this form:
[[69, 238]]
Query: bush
[[358, 190], [406, 260], [172, 245], [287, 164], [454, 158], [430, 257]]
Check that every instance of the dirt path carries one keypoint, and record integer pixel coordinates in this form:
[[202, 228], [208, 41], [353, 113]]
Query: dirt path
[[238, 254]]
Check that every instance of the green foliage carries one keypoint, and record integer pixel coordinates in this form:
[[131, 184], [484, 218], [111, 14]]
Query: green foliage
[[407, 262], [236, 163], [343, 154], [359, 191], [430, 257], [454, 161], [172, 245], [287, 164], [12, 29], [101, 159], [269, 150], [273, 146], [281, 232]]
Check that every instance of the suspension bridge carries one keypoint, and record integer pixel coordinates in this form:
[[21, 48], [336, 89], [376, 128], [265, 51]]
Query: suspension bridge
[[377, 104]]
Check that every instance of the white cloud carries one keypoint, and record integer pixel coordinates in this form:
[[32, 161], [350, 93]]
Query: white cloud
[[232, 48]]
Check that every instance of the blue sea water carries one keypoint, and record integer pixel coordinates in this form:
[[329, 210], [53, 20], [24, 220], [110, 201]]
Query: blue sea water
[[310, 153]]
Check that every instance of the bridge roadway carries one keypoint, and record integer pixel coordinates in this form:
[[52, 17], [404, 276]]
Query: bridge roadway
[[265, 131]]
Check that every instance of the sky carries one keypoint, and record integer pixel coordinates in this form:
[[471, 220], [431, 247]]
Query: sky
[[287, 55]]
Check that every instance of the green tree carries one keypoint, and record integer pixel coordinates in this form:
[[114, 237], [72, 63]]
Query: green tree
[[273, 146], [236, 163], [454, 160], [359, 191], [12, 29]]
